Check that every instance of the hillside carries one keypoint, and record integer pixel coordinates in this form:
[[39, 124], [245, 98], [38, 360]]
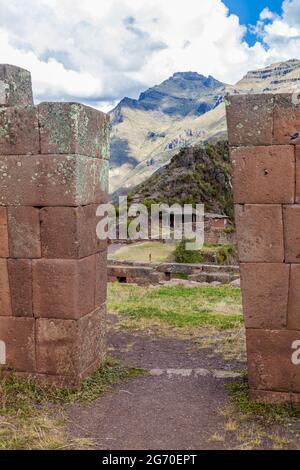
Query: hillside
[[187, 109], [194, 175]]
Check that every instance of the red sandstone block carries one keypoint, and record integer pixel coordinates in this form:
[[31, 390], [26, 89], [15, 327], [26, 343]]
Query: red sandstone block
[[71, 347], [4, 253], [275, 398], [20, 281], [24, 232], [19, 131], [15, 86], [72, 128], [273, 360], [291, 223], [286, 119], [63, 288], [250, 119], [101, 278], [263, 175], [294, 298], [68, 232], [260, 233], [50, 180], [298, 173], [18, 335], [265, 288], [5, 296]]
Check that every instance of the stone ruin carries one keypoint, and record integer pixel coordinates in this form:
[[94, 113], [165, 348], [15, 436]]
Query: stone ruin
[[264, 135], [53, 175]]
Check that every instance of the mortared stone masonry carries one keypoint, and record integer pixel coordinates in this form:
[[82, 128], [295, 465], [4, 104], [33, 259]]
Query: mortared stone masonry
[[53, 175], [264, 136]]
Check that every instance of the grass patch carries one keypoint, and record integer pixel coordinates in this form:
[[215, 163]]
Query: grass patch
[[26, 415], [264, 413], [160, 252], [178, 306]]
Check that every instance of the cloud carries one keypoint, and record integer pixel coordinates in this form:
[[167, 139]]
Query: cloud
[[99, 51]]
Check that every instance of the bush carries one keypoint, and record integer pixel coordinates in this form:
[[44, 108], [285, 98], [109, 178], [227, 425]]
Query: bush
[[225, 254], [187, 256]]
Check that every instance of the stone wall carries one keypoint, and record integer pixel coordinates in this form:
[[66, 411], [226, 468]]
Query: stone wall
[[264, 137], [53, 174]]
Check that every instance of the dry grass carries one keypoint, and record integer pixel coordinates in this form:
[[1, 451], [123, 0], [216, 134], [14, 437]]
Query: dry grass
[[160, 252]]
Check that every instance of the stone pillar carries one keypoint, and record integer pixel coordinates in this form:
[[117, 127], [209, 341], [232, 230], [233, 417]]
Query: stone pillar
[[264, 135], [53, 175]]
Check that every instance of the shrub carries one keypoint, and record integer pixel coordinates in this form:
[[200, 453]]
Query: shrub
[[182, 255]]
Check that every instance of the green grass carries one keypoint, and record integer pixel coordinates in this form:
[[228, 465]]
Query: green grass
[[160, 252], [25, 415], [178, 306], [265, 413]]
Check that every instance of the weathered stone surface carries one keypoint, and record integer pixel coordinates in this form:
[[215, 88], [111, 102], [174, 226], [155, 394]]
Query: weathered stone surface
[[286, 119], [250, 119], [72, 128], [276, 398], [265, 288], [260, 233], [20, 281], [64, 288], [18, 334], [291, 223], [101, 278], [50, 180], [294, 298], [15, 86], [270, 355], [263, 174], [19, 131], [5, 298], [71, 347], [298, 174], [4, 253], [68, 232], [24, 232]]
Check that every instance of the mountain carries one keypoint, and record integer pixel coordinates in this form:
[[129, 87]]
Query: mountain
[[187, 109], [193, 175]]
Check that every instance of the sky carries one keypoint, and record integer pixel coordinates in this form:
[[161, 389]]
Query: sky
[[98, 51]]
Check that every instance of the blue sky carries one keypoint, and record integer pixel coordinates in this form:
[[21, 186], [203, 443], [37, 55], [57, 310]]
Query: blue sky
[[249, 10], [99, 51]]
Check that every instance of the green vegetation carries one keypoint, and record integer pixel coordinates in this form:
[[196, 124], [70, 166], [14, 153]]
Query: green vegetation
[[265, 413], [178, 306], [182, 255], [195, 175], [25, 413], [222, 254]]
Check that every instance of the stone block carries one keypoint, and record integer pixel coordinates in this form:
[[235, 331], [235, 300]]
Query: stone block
[[18, 335], [5, 295], [101, 278], [291, 224], [73, 128], [24, 232], [273, 360], [19, 131], [298, 173], [260, 233], [265, 288], [294, 298], [4, 252], [70, 232], [250, 119], [20, 281], [63, 288], [71, 347], [15, 86], [50, 180], [286, 119], [263, 174]]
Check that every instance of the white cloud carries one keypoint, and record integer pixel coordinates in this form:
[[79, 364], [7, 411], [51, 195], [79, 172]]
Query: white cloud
[[100, 50]]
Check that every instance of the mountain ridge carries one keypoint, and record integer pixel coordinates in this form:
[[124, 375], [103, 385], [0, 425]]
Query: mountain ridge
[[185, 109]]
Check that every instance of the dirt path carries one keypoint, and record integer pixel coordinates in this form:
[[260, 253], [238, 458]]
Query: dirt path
[[174, 407]]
